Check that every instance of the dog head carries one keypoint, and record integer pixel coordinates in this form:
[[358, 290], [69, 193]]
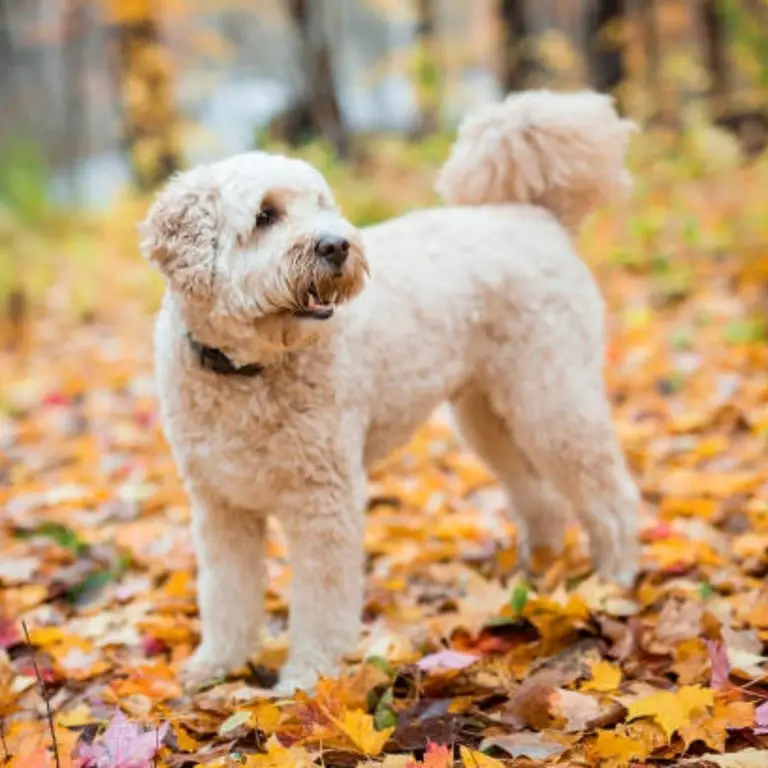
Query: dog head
[[254, 246]]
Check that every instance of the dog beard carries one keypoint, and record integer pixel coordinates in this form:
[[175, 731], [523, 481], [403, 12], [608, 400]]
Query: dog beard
[[313, 289]]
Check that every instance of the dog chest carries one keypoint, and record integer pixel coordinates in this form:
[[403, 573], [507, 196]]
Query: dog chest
[[249, 458]]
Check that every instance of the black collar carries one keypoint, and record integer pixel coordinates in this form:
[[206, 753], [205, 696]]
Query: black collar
[[213, 359]]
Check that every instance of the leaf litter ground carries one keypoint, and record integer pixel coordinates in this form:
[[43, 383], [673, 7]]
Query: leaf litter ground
[[463, 660]]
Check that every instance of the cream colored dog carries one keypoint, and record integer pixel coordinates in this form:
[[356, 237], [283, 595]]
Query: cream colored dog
[[294, 350]]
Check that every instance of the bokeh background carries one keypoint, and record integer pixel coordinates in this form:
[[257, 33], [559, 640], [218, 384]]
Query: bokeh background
[[103, 99]]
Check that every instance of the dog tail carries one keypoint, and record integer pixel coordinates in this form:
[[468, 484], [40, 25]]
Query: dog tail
[[563, 151]]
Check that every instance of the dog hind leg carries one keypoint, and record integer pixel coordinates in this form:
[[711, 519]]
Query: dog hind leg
[[541, 514], [563, 425]]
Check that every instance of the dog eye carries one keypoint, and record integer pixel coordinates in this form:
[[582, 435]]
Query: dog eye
[[266, 217]]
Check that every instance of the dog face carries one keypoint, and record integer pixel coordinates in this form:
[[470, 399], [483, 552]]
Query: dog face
[[255, 242]]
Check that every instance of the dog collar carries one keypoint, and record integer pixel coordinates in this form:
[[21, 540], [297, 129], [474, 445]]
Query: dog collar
[[213, 359]]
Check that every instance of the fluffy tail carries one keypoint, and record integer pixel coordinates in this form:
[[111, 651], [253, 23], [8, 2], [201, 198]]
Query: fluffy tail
[[563, 151]]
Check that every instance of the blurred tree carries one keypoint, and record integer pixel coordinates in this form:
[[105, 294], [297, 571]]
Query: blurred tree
[[606, 41], [744, 24], [517, 64], [318, 113], [427, 74], [657, 97], [72, 74], [151, 129], [716, 54]]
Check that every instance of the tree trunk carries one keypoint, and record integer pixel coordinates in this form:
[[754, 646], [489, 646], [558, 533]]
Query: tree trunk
[[150, 120], [517, 64], [320, 111], [606, 41], [72, 72], [654, 85], [716, 56], [427, 76]]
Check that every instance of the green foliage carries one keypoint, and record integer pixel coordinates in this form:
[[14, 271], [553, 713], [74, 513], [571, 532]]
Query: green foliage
[[747, 33], [24, 180]]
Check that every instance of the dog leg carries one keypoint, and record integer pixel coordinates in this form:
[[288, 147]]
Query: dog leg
[[230, 548], [541, 514], [562, 423], [325, 538]]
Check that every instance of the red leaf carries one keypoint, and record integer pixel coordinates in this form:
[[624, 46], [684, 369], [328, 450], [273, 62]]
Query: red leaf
[[123, 745], [721, 668]]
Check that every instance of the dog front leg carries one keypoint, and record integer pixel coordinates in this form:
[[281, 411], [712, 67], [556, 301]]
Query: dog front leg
[[230, 548], [325, 541]]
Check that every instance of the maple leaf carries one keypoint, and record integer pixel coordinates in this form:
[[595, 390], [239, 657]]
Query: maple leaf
[[123, 745], [606, 677], [278, 756], [361, 730], [617, 750], [672, 710], [471, 758], [435, 756]]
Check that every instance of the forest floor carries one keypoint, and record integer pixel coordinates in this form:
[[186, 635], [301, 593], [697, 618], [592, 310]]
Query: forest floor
[[463, 660]]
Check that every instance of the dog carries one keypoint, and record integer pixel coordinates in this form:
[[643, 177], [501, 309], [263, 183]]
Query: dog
[[293, 350]]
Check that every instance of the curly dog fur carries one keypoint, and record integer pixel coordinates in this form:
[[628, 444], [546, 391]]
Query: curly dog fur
[[482, 303]]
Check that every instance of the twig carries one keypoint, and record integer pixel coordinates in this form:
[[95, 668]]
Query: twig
[[6, 756], [44, 697]]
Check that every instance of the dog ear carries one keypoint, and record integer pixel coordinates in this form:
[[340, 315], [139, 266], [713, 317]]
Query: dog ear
[[180, 236]]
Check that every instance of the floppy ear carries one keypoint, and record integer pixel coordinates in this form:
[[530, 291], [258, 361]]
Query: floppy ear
[[180, 236]]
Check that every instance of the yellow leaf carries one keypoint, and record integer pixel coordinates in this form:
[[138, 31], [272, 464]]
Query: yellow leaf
[[45, 636], [471, 758], [266, 716], [617, 750], [672, 710], [360, 729], [605, 677], [278, 756], [184, 741], [75, 717]]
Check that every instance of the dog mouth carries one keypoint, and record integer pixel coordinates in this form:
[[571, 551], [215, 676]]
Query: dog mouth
[[316, 308]]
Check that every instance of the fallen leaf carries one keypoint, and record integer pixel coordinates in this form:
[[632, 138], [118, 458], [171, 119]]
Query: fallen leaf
[[761, 718], [605, 677], [672, 710], [361, 730], [123, 745], [471, 758], [721, 667], [532, 745], [447, 659], [617, 750], [435, 756], [278, 756], [747, 758], [577, 709]]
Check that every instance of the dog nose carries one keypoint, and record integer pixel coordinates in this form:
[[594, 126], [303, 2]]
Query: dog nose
[[332, 249]]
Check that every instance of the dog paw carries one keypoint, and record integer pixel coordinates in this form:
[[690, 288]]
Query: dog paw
[[202, 669], [299, 677], [622, 573]]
